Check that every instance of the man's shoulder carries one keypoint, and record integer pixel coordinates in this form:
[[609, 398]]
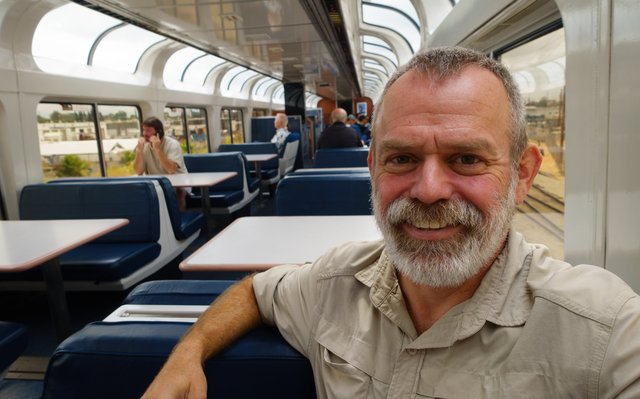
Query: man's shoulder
[[587, 290], [350, 258]]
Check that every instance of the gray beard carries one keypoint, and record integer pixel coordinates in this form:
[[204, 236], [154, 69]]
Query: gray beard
[[445, 263]]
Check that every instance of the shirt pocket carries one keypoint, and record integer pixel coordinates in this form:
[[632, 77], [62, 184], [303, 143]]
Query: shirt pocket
[[350, 367]]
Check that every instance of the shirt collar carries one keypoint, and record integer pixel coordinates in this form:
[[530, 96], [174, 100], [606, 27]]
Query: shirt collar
[[502, 297]]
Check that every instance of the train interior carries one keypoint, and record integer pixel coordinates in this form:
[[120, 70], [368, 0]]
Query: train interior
[[78, 77]]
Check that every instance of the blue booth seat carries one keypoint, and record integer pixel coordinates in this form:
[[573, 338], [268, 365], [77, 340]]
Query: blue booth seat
[[184, 224], [177, 292], [324, 194], [230, 195], [341, 157], [119, 360], [117, 260], [13, 341], [269, 170]]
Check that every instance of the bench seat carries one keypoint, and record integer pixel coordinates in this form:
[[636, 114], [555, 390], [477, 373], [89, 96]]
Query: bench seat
[[13, 341]]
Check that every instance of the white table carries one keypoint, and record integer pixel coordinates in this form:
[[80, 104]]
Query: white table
[[25, 244], [258, 243], [202, 180], [257, 160]]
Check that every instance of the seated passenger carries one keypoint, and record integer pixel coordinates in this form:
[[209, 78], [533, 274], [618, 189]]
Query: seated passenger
[[452, 302], [339, 135], [280, 123], [157, 154]]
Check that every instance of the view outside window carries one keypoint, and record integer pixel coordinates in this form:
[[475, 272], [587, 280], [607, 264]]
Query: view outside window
[[174, 125], [198, 132], [195, 120], [119, 131], [68, 140], [69, 145], [259, 112], [232, 125], [539, 70]]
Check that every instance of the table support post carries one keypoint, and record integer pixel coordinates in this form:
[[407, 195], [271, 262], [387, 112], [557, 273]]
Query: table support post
[[57, 299], [206, 211]]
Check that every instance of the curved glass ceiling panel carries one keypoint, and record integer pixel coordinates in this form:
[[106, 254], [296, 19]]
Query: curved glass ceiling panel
[[373, 64], [278, 95], [176, 65], [394, 20], [374, 45], [67, 34], [198, 71], [404, 6], [121, 49], [261, 88], [233, 80]]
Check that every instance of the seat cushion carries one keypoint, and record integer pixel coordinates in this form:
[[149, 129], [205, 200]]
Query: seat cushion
[[13, 341], [106, 262], [177, 292], [119, 360], [190, 222]]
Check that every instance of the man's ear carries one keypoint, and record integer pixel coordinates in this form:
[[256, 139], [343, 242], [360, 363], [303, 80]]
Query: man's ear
[[528, 167]]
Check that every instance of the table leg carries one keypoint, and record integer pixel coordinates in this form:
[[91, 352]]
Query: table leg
[[57, 299], [206, 210], [258, 168]]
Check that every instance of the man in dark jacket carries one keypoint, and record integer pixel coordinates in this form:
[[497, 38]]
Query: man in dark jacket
[[339, 135]]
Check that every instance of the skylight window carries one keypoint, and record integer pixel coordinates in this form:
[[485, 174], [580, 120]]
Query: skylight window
[[392, 16], [122, 48], [374, 45]]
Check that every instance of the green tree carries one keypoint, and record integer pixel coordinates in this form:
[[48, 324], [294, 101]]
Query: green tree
[[127, 157], [72, 165]]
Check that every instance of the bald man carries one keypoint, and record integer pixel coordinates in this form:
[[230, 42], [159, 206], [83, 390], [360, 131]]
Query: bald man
[[339, 135]]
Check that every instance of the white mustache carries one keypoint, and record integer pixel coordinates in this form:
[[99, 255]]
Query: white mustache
[[438, 215]]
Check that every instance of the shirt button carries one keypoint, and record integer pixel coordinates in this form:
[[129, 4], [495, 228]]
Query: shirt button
[[411, 352]]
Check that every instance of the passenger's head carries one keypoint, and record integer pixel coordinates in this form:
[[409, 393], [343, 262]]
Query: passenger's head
[[442, 64], [351, 119], [152, 126], [362, 118], [447, 168], [281, 121], [338, 115]]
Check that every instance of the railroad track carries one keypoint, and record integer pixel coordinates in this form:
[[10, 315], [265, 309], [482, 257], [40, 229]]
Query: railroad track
[[544, 209]]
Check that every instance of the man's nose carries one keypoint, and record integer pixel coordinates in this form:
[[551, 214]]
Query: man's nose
[[433, 182]]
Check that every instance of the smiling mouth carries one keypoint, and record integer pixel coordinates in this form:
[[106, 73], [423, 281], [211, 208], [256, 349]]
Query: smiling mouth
[[430, 225]]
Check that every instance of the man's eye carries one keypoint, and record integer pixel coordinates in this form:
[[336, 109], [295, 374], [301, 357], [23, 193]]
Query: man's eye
[[467, 159], [401, 159]]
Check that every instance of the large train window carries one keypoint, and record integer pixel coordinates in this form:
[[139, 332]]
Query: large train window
[[192, 120], [231, 122], [70, 146], [538, 67]]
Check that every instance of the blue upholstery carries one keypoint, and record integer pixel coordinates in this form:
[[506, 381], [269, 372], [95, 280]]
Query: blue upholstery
[[177, 292], [119, 360], [235, 191], [184, 224], [341, 157], [13, 341], [136, 201], [325, 194], [113, 256], [332, 171], [269, 169]]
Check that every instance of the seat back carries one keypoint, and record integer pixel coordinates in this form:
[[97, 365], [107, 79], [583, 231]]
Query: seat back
[[288, 159], [341, 157], [175, 215], [325, 194], [220, 162], [119, 360], [13, 341], [136, 201]]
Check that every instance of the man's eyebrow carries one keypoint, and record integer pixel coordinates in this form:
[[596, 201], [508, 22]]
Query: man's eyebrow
[[475, 144]]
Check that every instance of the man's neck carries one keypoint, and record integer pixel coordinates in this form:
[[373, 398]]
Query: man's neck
[[426, 305]]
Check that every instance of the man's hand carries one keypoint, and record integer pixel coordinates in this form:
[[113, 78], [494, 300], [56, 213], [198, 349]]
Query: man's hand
[[179, 379], [141, 141], [155, 143]]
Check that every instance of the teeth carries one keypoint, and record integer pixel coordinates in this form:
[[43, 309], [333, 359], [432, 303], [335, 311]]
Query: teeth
[[430, 225]]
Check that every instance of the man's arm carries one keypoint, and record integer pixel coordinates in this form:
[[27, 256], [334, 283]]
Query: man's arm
[[138, 162], [231, 316]]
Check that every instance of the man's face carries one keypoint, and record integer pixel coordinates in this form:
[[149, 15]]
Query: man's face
[[147, 132], [443, 187]]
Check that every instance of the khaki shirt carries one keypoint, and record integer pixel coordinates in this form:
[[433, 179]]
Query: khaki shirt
[[173, 151], [535, 328]]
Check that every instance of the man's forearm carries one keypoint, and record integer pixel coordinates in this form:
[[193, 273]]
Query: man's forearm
[[167, 164], [138, 162], [231, 316]]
